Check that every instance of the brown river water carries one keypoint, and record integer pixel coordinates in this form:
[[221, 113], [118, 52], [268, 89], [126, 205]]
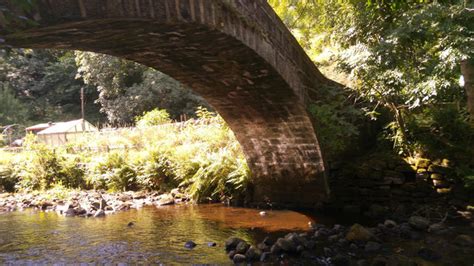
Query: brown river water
[[158, 235]]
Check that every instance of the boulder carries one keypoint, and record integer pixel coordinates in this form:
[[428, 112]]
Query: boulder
[[268, 241], [286, 245], [239, 258], [390, 224], [437, 228], [419, 223], [464, 240], [372, 246], [231, 254], [253, 253], [242, 247], [99, 213], [275, 249], [231, 243], [80, 211], [358, 233], [265, 256], [341, 260], [139, 195], [165, 199]]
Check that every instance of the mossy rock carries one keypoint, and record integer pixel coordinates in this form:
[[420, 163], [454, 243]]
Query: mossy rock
[[438, 169], [436, 176], [422, 163], [358, 233]]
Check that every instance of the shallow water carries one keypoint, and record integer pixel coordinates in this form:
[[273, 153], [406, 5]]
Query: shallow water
[[158, 235]]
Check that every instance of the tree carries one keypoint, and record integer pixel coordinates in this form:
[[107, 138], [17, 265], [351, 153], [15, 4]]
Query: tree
[[153, 118], [44, 80], [402, 55], [467, 69], [127, 89], [12, 110]]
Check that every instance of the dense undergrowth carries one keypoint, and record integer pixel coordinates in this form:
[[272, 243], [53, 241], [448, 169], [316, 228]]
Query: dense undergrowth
[[202, 156]]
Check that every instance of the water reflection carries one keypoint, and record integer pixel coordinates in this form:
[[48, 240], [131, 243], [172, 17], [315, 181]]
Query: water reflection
[[157, 236]]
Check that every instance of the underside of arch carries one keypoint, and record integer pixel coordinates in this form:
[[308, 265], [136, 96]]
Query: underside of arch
[[263, 110]]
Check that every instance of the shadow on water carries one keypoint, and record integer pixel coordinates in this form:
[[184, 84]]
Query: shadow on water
[[157, 236]]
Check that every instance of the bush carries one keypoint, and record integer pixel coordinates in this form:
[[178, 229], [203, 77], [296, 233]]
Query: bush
[[153, 118], [7, 179], [112, 172], [441, 130], [155, 170], [200, 155]]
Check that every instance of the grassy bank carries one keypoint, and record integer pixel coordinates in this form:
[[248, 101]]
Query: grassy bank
[[200, 155]]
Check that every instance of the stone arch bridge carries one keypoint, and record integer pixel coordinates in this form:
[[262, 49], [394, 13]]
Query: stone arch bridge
[[237, 54]]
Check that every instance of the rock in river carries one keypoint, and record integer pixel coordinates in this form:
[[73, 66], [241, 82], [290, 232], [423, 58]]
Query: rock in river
[[190, 244], [238, 258], [242, 247], [99, 213], [231, 243], [358, 233], [286, 245], [165, 199]]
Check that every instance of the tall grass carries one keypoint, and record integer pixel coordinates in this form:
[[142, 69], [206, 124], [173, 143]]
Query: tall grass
[[202, 156]]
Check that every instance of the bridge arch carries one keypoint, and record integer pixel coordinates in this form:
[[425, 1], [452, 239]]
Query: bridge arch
[[238, 55]]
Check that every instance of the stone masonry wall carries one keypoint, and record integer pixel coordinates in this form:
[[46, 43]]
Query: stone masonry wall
[[380, 183]]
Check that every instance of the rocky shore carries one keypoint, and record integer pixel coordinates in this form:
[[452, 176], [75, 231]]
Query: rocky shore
[[88, 203], [417, 241]]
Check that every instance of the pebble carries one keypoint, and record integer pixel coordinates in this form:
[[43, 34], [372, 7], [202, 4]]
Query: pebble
[[190, 244]]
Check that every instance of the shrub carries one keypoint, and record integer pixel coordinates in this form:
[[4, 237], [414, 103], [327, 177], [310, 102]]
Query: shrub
[[153, 118], [201, 155], [112, 171]]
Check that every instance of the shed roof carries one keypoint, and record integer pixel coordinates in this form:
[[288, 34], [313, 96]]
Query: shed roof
[[40, 126], [62, 127]]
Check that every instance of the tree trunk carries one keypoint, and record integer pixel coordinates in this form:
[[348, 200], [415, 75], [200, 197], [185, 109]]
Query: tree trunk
[[401, 127], [467, 70]]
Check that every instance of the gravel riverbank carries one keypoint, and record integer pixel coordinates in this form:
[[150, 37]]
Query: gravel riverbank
[[87, 203]]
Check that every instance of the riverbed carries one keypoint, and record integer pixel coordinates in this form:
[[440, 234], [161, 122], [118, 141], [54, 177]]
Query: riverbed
[[147, 235]]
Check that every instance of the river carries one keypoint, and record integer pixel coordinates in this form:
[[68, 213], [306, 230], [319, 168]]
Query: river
[[158, 235]]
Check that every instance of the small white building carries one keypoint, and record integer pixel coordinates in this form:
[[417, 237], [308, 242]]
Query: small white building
[[62, 132]]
